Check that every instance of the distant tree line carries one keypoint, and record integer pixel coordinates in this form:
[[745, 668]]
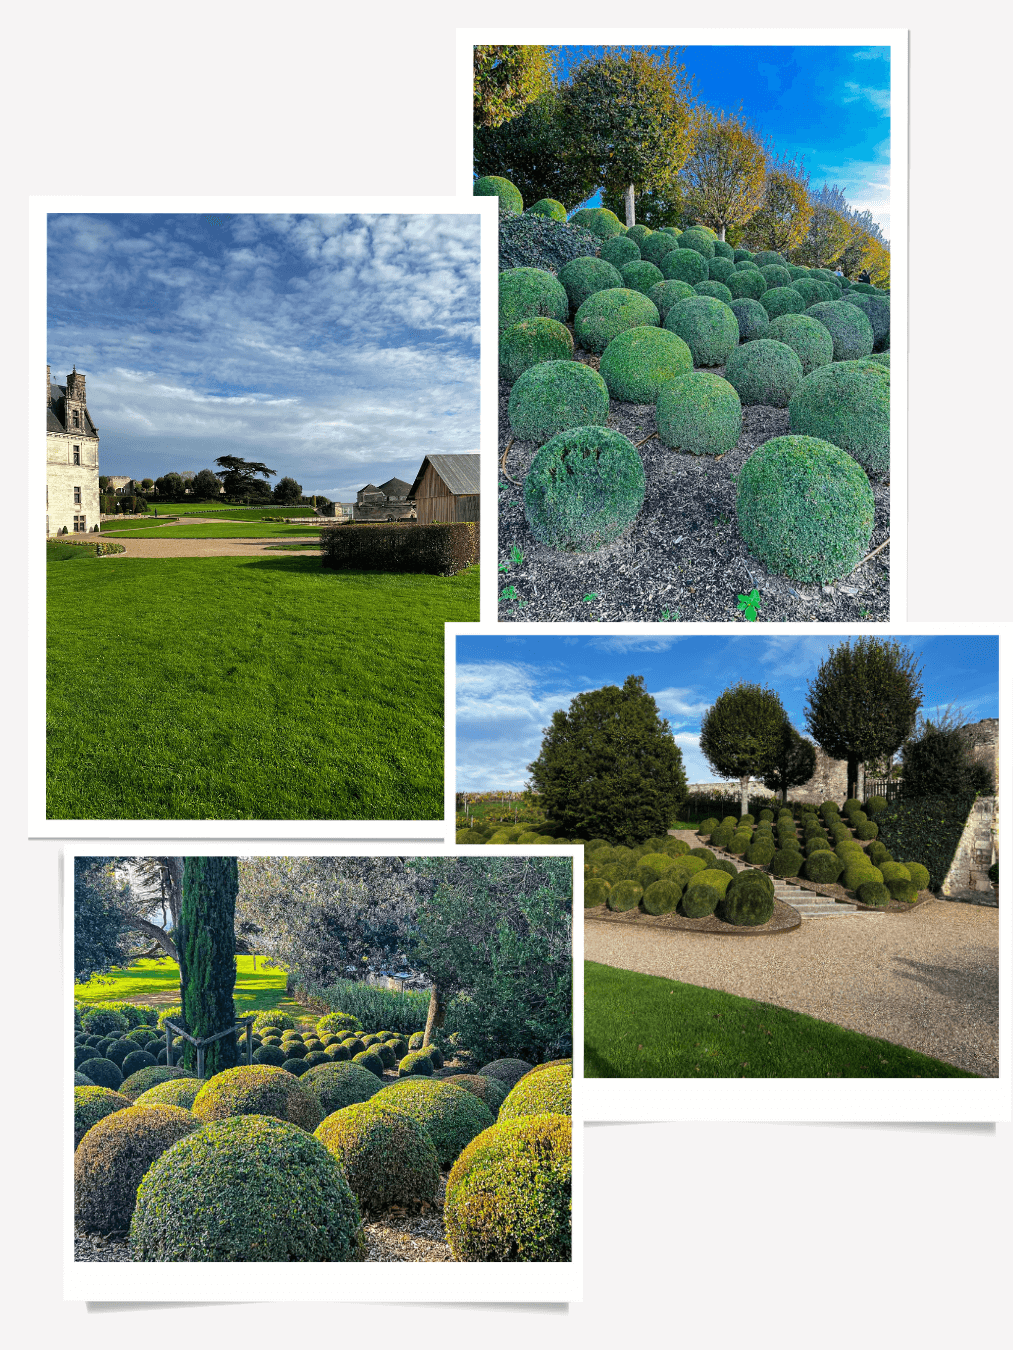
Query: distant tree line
[[238, 481]]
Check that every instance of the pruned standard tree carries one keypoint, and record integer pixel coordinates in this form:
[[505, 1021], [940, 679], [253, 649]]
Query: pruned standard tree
[[740, 734], [863, 701], [722, 181], [609, 767], [793, 762], [507, 79], [207, 957], [781, 222]]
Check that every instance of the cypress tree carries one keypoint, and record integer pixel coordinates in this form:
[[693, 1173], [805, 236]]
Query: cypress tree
[[207, 947]]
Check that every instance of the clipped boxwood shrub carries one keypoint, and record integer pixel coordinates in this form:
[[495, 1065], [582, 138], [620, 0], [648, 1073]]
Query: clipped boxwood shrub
[[665, 294], [258, 1089], [102, 1072], [699, 413], [768, 258], [275, 1017], [751, 318], [114, 1155], [786, 862], [807, 337], [638, 233], [270, 1054], [805, 508], [743, 255], [337, 1085], [624, 895], [778, 300], [451, 1116], [859, 871], [823, 866], [371, 1061], [881, 359], [714, 289], [876, 309], [775, 275], [538, 1093], [620, 250], [698, 240], [414, 1063], [892, 871], [847, 325], [509, 1193], [847, 404], [584, 277], [599, 220], [249, 1188], [135, 1061], [585, 486], [492, 185], [760, 852], [488, 1090], [119, 1050], [764, 372], [92, 1104], [902, 889], [530, 342], [866, 829], [919, 875], [747, 285], [173, 1092], [722, 249], [103, 1021], [387, 1157], [812, 292], [596, 891], [639, 363], [640, 276], [606, 314], [707, 326], [720, 269], [548, 206], [749, 900], [684, 264], [873, 892], [654, 248], [662, 897], [506, 1071], [528, 293], [556, 396]]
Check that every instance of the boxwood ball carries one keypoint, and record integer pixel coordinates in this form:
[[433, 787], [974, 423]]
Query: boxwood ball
[[639, 363], [707, 326], [548, 206], [492, 185], [752, 319], [606, 314], [764, 372], [847, 325], [684, 264], [699, 413], [848, 404], [640, 276], [530, 293], [807, 337], [556, 396], [584, 488], [582, 277]]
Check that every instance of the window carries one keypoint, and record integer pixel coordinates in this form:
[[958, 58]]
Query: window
[[77, 454], [77, 496], [77, 418], [79, 526]]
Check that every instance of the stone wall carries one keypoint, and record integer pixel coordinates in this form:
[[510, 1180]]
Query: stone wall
[[828, 783], [975, 852], [63, 476]]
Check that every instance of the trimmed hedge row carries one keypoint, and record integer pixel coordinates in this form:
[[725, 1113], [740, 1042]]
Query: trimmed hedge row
[[439, 549]]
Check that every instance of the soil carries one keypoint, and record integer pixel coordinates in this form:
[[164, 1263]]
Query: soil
[[683, 558]]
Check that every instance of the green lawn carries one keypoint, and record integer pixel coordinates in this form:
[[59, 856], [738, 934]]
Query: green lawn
[[247, 689], [228, 512], [641, 1026], [157, 982], [216, 529], [131, 523]]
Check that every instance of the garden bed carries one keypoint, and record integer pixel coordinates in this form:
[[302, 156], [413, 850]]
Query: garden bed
[[683, 558], [784, 920]]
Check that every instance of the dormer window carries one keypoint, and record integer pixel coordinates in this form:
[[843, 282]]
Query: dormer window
[[77, 454], [77, 418]]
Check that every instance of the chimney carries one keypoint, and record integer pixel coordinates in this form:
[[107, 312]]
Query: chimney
[[49, 388], [75, 386]]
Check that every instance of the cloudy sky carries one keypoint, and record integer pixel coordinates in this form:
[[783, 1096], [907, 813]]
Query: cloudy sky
[[829, 105], [509, 687], [335, 349]]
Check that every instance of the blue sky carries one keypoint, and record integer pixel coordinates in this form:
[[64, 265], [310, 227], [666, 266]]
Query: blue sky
[[509, 687], [829, 105], [335, 349]]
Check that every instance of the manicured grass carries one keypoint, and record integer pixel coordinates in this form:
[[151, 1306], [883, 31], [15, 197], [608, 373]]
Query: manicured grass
[[641, 1026], [157, 982], [247, 689], [132, 523], [230, 512], [216, 529], [60, 552]]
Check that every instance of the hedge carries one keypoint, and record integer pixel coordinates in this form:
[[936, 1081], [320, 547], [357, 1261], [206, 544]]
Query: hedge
[[606, 314], [440, 549], [926, 829]]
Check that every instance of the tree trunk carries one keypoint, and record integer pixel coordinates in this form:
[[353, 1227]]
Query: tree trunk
[[208, 913], [631, 214], [721, 232], [437, 1014], [159, 935], [744, 795], [853, 763]]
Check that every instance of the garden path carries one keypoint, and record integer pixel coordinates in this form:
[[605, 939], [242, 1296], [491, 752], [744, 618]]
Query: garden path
[[195, 548]]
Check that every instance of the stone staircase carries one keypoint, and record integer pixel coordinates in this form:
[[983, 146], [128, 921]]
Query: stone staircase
[[810, 904]]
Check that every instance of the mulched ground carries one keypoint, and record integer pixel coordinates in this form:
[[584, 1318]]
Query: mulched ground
[[783, 920], [683, 557]]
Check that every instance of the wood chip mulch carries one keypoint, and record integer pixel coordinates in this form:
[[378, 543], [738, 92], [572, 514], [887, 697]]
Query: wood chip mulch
[[783, 920]]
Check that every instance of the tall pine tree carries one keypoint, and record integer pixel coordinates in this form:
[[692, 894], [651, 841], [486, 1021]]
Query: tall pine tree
[[207, 965]]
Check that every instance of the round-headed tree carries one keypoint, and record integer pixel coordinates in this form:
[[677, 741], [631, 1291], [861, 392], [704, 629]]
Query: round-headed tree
[[940, 762], [609, 767], [206, 944], [739, 734], [723, 179], [863, 701], [793, 762], [507, 79]]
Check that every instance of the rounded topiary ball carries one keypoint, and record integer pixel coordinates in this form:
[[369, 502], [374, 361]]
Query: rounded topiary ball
[[273, 1017], [173, 1092], [823, 866], [786, 862], [668, 293], [269, 1054], [506, 1071], [114, 1155], [620, 250], [638, 233], [764, 372], [556, 396], [847, 404], [414, 1063], [606, 314], [876, 309], [258, 1089], [873, 893], [752, 319], [747, 903], [584, 488], [584, 277], [119, 1050], [707, 326], [596, 891], [368, 1060], [684, 264], [720, 269], [538, 1093], [778, 300], [336, 1085], [295, 1066], [387, 1157], [103, 1021], [148, 1078], [103, 1072], [714, 289], [509, 1193], [805, 508], [334, 1023], [662, 897], [700, 898], [639, 363], [657, 245], [768, 258], [847, 325], [760, 852], [624, 895], [92, 1104], [599, 220], [812, 292], [529, 293], [700, 413], [510, 198], [640, 276], [775, 275], [808, 339], [488, 1090], [699, 241], [451, 1116], [249, 1188], [919, 875], [548, 206], [747, 285]]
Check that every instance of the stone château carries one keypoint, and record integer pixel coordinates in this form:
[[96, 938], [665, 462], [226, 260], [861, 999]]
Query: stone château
[[72, 491]]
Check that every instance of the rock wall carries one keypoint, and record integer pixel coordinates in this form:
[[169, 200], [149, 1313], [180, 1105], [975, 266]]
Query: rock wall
[[975, 852]]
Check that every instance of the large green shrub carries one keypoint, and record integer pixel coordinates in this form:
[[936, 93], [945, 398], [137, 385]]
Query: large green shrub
[[707, 326], [336, 1085], [275, 1017], [538, 1093], [876, 309], [751, 317], [872, 892], [509, 1193], [147, 1078], [697, 240], [720, 269], [918, 874], [778, 300], [173, 1092], [606, 314], [812, 292], [493, 186], [640, 276], [413, 1064], [927, 829], [135, 1061], [386, 1155], [684, 264], [596, 891], [760, 851], [715, 290], [638, 233], [775, 275], [747, 903], [119, 1050], [584, 277], [848, 404], [805, 508], [556, 396], [764, 372], [639, 363], [654, 248], [258, 1089], [768, 258], [624, 895], [599, 220], [451, 1116], [548, 206], [584, 488], [269, 1054], [668, 293], [847, 325], [703, 894], [662, 897], [807, 337], [749, 284], [823, 866], [786, 862], [102, 1021], [506, 1071], [620, 250], [102, 1072], [529, 293], [92, 1104], [368, 1059], [114, 1155], [249, 1188], [699, 413], [488, 1090]]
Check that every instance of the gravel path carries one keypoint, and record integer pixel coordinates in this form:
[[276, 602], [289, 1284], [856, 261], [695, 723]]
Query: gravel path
[[683, 556], [928, 979], [191, 548]]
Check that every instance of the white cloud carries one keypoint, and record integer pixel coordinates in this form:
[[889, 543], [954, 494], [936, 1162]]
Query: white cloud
[[679, 703], [635, 642], [502, 710], [879, 99]]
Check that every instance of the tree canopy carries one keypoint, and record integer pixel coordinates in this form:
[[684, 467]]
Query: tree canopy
[[939, 762], [242, 477], [863, 701], [609, 767], [287, 492], [722, 181], [793, 762], [783, 218], [102, 936], [507, 79], [740, 733], [206, 486], [531, 150]]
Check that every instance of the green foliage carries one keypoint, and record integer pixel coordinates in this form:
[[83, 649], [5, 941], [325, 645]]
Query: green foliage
[[720, 269], [147, 1078], [539, 241], [506, 1071], [509, 1193], [529, 293], [173, 1092], [805, 508], [858, 871], [699, 413], [620, 250], [606, 314], [640, 362], [451, 1116], [760, 852], [368, 1059], [583, 277], [584, 487], [494, 186], [624, 895], [848, 404], [274, 1017], [92, 1104], [547, 1091], [823, 866], [337, 1085], [114, 1155], [768, 258], [548, 207], [386, 1156], [873, 893], [876, 309], [101, 1071], [596, 891], [850, 329], [778, 300], [940, 762], [335, 1022], [415, 1062], [764, 371], [701, 898], [270, 1054], [488, 1090], [774, 274], [662, 897], [751, 317], [599, 220], [135, 1062], [749, 284], [556, 396], [748, 902], [258, 1089], [654, 248], [640, 276], [684, 264], [102, 1021], [531, 341], [668, 293], [808, 339], [697, 241], [927, 829], [207, 970], [715, 290], [707, 326], [866, 829], [248, 1188]]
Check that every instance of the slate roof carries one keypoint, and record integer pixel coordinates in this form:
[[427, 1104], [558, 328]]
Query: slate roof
[[56, 412], [395, 487], [459, 472]]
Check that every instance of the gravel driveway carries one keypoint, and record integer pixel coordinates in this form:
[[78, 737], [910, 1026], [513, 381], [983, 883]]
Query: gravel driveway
[[928, 979]]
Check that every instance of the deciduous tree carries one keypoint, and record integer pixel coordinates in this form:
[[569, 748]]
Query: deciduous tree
[[532, 151], [792, 764], [102, 936], [826, 238], [507, 79], [740, 734], [287, 492], [206, 486], [783, 218], [722, 181]]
